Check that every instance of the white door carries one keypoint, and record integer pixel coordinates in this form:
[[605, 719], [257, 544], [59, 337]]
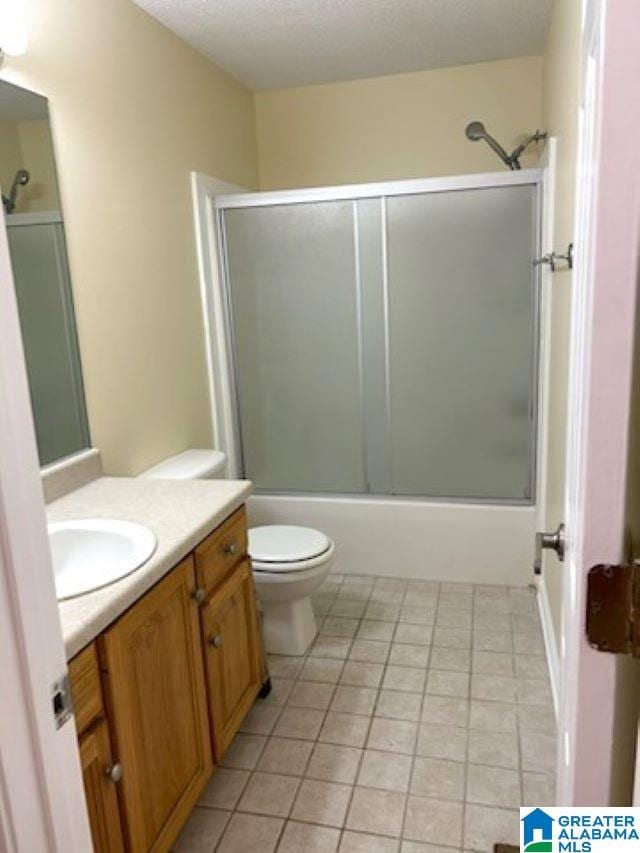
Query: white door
[[602, 341], [42, 806]]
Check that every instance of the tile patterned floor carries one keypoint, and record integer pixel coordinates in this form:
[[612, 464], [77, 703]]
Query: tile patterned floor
[[418, 723]]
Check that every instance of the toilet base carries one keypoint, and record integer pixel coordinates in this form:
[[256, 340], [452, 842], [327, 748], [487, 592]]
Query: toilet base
[[289, 627]]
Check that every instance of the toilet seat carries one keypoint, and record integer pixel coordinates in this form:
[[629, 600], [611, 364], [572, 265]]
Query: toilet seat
[[284, 548]]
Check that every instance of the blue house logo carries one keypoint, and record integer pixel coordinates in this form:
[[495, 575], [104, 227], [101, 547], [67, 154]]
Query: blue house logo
[[537, 832]]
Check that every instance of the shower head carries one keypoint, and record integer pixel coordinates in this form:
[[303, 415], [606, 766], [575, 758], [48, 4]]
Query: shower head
[[21, 179], [475, 130]]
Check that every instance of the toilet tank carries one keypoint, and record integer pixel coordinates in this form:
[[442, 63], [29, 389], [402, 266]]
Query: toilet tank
[[191, 464]]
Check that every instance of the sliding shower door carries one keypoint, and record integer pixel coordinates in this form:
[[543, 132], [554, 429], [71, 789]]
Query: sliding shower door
[[295, 317], [387, 344], [461, 343]]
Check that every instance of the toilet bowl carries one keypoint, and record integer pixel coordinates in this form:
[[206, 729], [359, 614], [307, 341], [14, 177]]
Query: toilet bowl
[[289, 562]]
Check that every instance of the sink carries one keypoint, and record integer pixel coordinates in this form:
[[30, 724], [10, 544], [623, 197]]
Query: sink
[[90, 553]]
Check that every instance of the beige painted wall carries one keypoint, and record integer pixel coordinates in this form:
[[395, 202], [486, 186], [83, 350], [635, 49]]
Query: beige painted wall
[[560, 105], [401, 126], [133, 111], [28, 145], [36, 147], [10, 154]]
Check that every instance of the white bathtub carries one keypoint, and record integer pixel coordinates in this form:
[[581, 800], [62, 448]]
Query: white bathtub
[[471, 543]]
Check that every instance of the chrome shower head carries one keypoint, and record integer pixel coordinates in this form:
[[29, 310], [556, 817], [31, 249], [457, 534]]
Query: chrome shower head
[[475, 130], [21, 179]]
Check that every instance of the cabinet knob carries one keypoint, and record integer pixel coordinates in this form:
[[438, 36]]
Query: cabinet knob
[[114, 772], [230, 548], [198, 595], [216, 641]]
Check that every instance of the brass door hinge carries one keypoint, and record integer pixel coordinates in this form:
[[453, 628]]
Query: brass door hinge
[[613, 609]]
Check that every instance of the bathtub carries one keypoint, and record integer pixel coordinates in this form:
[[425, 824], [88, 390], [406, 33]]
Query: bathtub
[[469, 543]]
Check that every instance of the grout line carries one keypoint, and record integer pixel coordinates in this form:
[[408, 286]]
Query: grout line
[[439, 601]]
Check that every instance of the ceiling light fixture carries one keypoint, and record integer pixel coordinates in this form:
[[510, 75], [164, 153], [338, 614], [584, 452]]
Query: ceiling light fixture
[[13, 28]]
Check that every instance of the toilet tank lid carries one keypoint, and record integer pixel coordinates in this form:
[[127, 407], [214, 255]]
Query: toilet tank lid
[[191, 464]]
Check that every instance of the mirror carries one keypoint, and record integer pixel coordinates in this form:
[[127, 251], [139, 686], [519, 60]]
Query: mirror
[[35, 230]]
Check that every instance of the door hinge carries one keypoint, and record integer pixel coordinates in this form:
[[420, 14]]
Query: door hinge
[[61, 701], [613, 609]]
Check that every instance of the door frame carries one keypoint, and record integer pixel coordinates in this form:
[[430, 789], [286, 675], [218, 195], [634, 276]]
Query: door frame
[[37, 812], [601, 364], [548, 164], [204, 192]]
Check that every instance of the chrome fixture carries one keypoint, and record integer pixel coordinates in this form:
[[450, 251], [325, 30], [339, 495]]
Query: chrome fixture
[[552, 542], [475, 130], [552, 259], [21, 180]]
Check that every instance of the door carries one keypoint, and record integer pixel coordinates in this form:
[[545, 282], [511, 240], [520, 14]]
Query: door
[[230, 634], [100, 790], [154, 686], [602, 341]]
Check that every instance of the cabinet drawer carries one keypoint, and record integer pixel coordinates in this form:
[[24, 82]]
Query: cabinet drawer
[[84, 676], [220, 551]]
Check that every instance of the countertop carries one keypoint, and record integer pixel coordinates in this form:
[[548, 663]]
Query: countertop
[[181, 513]]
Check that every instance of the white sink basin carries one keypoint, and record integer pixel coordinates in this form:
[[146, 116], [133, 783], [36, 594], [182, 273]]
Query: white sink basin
[[93, 552]]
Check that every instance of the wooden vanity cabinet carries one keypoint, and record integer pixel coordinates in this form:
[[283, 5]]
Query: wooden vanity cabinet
[[100, 790], [156, 703], [231, 642], [163, 688], [98, 770]]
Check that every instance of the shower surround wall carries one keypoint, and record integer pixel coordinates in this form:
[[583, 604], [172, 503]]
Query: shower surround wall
[[384, 339]]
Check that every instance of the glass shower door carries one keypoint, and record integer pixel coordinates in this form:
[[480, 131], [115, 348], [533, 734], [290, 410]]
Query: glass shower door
[[295, 312], [388, 344], [462, 325]]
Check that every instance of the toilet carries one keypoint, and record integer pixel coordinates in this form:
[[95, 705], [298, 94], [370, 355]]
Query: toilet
[[289, 562]]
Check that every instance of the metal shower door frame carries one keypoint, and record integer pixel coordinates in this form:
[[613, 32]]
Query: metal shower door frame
[[382, 191]]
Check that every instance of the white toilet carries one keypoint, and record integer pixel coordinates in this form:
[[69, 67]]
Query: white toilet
[[289, 562]]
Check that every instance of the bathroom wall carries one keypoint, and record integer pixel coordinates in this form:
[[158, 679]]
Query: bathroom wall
[[133, 111], [36, 148], [28, 145], [560, 111], [10, 154], [400, 126]]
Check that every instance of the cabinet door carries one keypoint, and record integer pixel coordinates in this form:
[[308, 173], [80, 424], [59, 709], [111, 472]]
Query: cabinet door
[[154, 686], [230, 634], [100, 791]]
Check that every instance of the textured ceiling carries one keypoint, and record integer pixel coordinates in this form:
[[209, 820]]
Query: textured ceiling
[[268, 44]]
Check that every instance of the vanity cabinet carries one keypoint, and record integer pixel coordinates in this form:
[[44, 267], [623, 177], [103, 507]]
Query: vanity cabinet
[[154, 688], [96, 758], [229, 632], [162, 692], [100, 789]]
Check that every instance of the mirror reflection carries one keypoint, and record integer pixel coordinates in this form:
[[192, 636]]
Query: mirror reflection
[[35, 230]]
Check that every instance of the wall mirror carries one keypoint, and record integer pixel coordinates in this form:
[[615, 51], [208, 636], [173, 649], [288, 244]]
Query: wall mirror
[[35, 230]]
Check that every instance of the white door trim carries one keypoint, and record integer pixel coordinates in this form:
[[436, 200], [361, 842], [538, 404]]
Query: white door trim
[[42, 805], [204, 191], [548, 166]]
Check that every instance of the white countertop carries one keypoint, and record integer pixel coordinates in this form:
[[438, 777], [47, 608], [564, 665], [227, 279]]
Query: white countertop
[[181, 513]]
